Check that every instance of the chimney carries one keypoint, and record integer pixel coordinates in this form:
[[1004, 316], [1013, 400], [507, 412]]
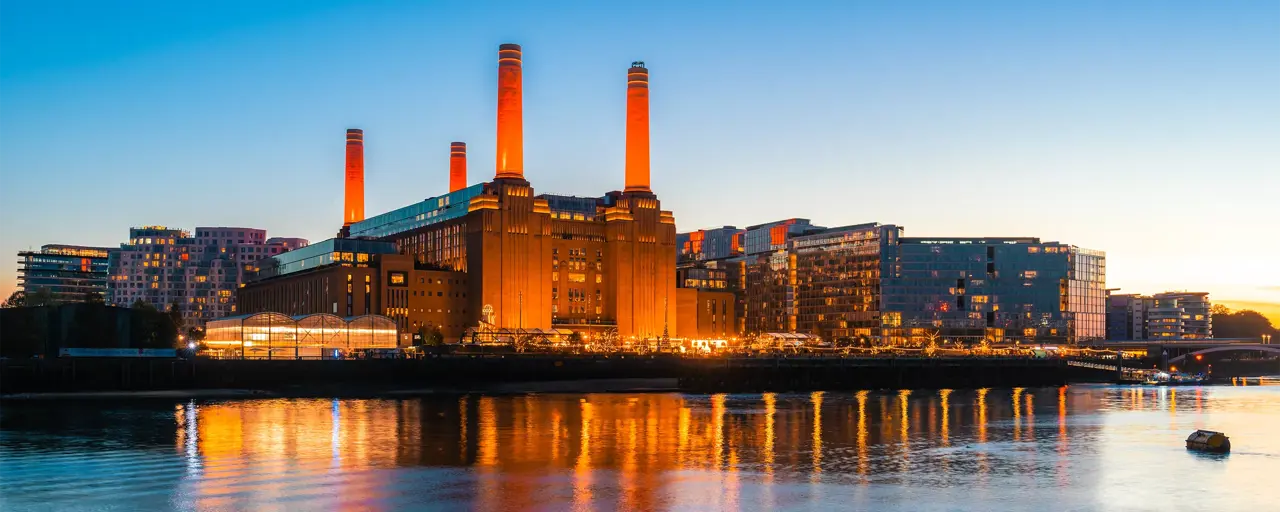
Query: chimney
[[353, 210], [510, 113], [457, 166], [637, 178]]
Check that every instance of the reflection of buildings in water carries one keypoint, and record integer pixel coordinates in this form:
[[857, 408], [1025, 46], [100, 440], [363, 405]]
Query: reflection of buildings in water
[[305, 439], [945, 396], [862, 433], [816, 449], [1031, 416], [612, 449]]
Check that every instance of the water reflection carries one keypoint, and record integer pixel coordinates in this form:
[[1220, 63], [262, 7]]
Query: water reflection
[[642, 451]]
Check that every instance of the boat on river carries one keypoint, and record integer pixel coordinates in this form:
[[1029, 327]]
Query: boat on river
[[1175, 379]]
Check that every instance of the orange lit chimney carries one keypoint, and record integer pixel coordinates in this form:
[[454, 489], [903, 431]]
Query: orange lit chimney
[[457, 166], [510, 113], [637, 128], [353, 207]]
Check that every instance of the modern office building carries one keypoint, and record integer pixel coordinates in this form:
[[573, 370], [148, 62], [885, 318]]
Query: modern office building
[[598, 263], [352, 277], [825, 283], [199, 274], [999, 289], [702, 277], [710, 244], [1163, 316], [71, 273], [868, 281], [772, 236]]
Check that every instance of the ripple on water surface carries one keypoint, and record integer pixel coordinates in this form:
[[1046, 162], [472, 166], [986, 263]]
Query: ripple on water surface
[[1071, 448]]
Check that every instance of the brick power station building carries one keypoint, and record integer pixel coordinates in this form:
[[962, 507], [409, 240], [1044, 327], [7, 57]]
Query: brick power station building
[[496, 253]]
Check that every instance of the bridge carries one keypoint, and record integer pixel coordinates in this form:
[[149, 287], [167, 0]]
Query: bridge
[[1274, 349], [1178, 348]]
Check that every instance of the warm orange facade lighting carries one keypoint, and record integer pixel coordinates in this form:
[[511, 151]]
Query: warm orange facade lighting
[[353, 206], [778, 234], [510, 113], [457, 166], [637, 172]]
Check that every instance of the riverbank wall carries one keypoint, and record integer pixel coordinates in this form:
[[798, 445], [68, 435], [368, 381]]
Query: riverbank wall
[[529, 373]]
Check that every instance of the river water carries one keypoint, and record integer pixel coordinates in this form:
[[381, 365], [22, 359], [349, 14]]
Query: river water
[[1070, 448]]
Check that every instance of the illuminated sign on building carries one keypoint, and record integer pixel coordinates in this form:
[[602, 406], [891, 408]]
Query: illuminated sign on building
[[397, 279]]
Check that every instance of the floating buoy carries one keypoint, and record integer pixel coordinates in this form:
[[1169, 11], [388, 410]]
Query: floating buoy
[[1209, 441]]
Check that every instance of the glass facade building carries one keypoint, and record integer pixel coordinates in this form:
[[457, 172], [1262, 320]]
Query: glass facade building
[[998, 289], [334, 250], [838, 276], [710, 244], [867, 282], [270, 335], [433, 210], [70, 273], [772, 236], [1163, 316]]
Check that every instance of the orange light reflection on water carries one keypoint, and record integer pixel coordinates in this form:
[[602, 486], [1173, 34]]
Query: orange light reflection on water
[[612, 451]]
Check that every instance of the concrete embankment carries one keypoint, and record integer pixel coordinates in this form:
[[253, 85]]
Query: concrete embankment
[[826, 373], [523, 373]]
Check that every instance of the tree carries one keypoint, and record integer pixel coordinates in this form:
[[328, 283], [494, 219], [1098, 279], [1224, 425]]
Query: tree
[[430, 336], [16, 300], [93, 298], [143, 305], [575, 338], [175, 315], [40, 297], [1244, 323]]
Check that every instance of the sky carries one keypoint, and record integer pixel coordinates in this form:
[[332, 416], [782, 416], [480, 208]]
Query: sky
[[1149, 130]]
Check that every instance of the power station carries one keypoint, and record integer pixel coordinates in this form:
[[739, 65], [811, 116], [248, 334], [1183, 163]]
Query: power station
[[504, 256]]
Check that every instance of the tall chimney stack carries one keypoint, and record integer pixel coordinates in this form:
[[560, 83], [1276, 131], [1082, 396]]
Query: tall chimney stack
[[457, 166], [353, 207], [510, 113], [637, 179]]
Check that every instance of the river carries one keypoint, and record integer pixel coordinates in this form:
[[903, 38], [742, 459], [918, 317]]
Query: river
[[1069, 448]]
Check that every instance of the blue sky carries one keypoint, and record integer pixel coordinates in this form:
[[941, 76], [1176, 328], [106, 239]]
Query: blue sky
[[1145, 129]]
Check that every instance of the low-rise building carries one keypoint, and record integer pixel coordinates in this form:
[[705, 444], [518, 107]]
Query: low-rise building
[[272, 335], [354, 277], [1163, 316], [705, 314]]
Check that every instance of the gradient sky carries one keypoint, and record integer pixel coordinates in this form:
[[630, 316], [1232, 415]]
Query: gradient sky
[[1150, 130]]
